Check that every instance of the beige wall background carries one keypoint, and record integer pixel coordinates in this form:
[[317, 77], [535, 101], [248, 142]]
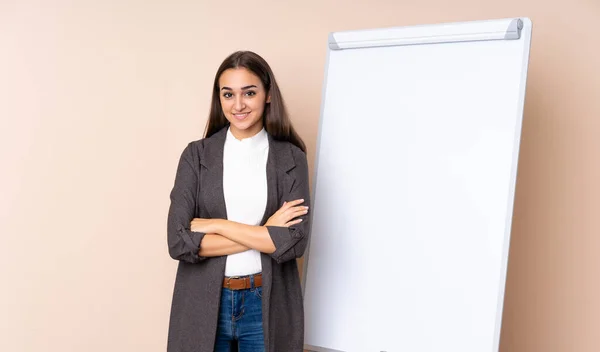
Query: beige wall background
[[98, 98]]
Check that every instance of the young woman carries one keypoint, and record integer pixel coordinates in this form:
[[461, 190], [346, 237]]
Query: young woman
[[238, 221]]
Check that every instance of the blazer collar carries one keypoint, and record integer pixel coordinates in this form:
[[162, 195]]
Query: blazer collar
[[280, 153]]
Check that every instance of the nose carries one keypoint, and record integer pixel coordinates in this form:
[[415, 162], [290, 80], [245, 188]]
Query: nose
[[239, 104]]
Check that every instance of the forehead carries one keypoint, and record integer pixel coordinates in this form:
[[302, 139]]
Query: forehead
[[236, 78]]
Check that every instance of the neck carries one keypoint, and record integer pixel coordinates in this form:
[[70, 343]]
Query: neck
[[247, 133]]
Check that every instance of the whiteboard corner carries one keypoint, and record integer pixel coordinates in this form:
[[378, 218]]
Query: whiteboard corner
[[333, 44], [526, 22]]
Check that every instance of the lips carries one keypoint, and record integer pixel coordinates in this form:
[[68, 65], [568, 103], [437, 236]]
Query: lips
[[241, 116]]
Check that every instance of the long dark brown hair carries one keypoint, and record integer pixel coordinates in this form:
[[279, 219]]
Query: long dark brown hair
[[275, 117]]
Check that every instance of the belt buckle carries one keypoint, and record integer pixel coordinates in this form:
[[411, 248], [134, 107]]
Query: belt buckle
[[228, 284]]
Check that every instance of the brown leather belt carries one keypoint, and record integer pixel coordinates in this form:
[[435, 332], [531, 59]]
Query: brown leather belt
[[241, 283]]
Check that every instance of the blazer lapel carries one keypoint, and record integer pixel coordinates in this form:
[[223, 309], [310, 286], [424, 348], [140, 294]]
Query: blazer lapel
[[211, 180], [279, 162]]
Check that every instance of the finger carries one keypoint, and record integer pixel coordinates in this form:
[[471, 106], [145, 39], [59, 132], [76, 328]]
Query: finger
[[293, 203], [295, 215], [292, 208], [293, 222], [300, 212], [293, 212]]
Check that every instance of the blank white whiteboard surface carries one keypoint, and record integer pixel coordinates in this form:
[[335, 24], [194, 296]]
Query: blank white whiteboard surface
[[414, 187]]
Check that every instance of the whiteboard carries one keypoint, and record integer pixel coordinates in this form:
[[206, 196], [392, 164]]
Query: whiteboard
[[414, 186]]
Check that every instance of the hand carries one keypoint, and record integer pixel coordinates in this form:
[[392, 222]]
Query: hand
[[203, 225], [285, 215]]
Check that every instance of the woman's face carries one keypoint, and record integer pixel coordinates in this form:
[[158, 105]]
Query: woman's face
[[243, 100]]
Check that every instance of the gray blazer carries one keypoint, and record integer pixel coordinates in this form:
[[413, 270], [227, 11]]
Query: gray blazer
[[198, 192]]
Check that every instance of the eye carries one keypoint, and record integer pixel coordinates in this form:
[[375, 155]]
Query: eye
[[250, 93], [227, 95]]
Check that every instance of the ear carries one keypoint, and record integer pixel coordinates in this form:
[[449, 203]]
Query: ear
[[268, 99]]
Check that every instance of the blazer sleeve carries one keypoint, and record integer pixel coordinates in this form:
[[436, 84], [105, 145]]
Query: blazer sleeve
[[290, 242], [184, 244]]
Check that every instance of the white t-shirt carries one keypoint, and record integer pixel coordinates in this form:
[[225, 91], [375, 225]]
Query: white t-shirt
[[245, 190]]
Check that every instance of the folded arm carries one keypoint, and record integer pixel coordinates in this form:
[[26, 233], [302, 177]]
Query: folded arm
[[214, 245], [285, 235], [229, 237], [255, 237]]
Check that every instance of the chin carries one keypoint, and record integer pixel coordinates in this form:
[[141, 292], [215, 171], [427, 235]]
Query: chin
[[243, 125]]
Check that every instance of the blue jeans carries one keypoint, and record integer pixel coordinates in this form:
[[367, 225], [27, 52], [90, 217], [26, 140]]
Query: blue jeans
[[240, 321]]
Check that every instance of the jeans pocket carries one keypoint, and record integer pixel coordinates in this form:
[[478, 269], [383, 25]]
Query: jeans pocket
[[258, 292]]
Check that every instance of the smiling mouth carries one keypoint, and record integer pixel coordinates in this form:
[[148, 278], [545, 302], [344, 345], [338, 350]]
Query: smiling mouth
[[241, 116]]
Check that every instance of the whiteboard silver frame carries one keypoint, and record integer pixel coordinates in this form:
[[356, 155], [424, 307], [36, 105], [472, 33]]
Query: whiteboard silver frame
[[427, 34]]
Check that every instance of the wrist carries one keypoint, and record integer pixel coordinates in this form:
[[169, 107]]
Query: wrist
[[217, 225]]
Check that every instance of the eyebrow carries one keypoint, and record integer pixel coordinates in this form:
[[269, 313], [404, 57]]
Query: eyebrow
[[243, 88]]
